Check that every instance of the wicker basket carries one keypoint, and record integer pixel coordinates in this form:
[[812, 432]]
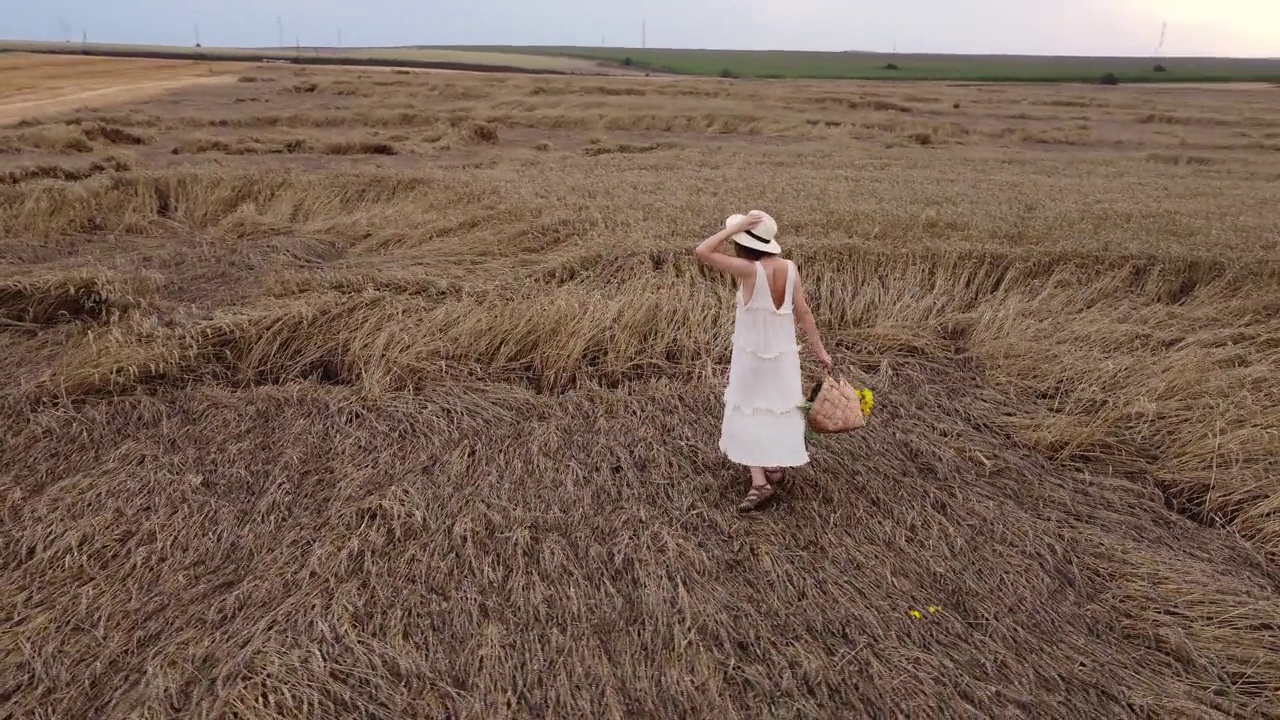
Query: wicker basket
[[835, 407]]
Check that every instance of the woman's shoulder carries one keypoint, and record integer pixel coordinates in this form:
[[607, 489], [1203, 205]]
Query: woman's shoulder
[[793, 272]]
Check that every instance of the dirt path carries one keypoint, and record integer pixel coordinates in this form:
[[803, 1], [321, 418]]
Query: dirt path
[[60, 100], [34, 84]]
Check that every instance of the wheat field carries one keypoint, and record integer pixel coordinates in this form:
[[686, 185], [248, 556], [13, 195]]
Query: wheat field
[[338, 393], [908, 66]]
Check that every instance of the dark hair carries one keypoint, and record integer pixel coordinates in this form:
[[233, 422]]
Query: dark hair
[[747, 253]]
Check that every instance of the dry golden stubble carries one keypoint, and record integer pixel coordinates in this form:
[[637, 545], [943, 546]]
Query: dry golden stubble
[[437, 436]]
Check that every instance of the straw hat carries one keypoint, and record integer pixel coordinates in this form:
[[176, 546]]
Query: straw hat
[[761, 238]]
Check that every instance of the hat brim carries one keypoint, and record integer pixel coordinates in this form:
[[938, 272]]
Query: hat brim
[[771, 246]]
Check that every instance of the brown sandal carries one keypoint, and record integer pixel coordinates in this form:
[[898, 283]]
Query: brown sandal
[[757, 496], [776, 476]]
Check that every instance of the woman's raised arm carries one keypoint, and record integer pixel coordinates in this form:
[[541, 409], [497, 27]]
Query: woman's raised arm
[[708, 251]]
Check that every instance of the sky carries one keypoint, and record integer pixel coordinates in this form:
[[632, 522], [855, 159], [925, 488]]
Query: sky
[[1238, 28]]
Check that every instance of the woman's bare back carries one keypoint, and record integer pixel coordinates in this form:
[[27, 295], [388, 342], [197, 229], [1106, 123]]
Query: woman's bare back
[[775, 272]]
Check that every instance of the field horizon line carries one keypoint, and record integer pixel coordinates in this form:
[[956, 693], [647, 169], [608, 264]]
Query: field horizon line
[[723, 63]]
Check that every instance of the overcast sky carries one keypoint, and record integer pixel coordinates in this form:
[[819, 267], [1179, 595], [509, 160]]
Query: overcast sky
[[1248, 28]]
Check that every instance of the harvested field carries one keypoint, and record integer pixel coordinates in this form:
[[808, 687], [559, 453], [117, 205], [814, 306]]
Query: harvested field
[[37, 84], [422, 58], [347, 393]]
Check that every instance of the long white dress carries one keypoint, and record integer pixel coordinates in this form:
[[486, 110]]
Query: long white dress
[[763, 424]]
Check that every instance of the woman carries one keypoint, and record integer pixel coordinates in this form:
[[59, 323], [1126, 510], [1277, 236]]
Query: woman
[[763, 424]]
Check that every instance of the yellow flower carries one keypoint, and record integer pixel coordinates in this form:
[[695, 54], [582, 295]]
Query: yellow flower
[[866, 400], [934, 609], [915, 614]]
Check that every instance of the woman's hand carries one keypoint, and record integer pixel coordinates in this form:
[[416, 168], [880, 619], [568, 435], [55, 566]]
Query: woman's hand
[[825, 360], [750, 221]]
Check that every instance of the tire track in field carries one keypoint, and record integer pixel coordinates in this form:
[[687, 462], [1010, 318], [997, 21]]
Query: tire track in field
[[76, 98]]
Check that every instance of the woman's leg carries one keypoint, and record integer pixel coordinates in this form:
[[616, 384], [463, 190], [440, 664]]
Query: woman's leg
[[761, 490]]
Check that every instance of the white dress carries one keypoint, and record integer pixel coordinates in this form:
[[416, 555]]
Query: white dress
[[763, 423]]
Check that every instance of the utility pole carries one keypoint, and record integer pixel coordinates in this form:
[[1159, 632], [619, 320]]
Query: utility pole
[[339, 37], [280, 30], [644, 41], [197, 34]]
